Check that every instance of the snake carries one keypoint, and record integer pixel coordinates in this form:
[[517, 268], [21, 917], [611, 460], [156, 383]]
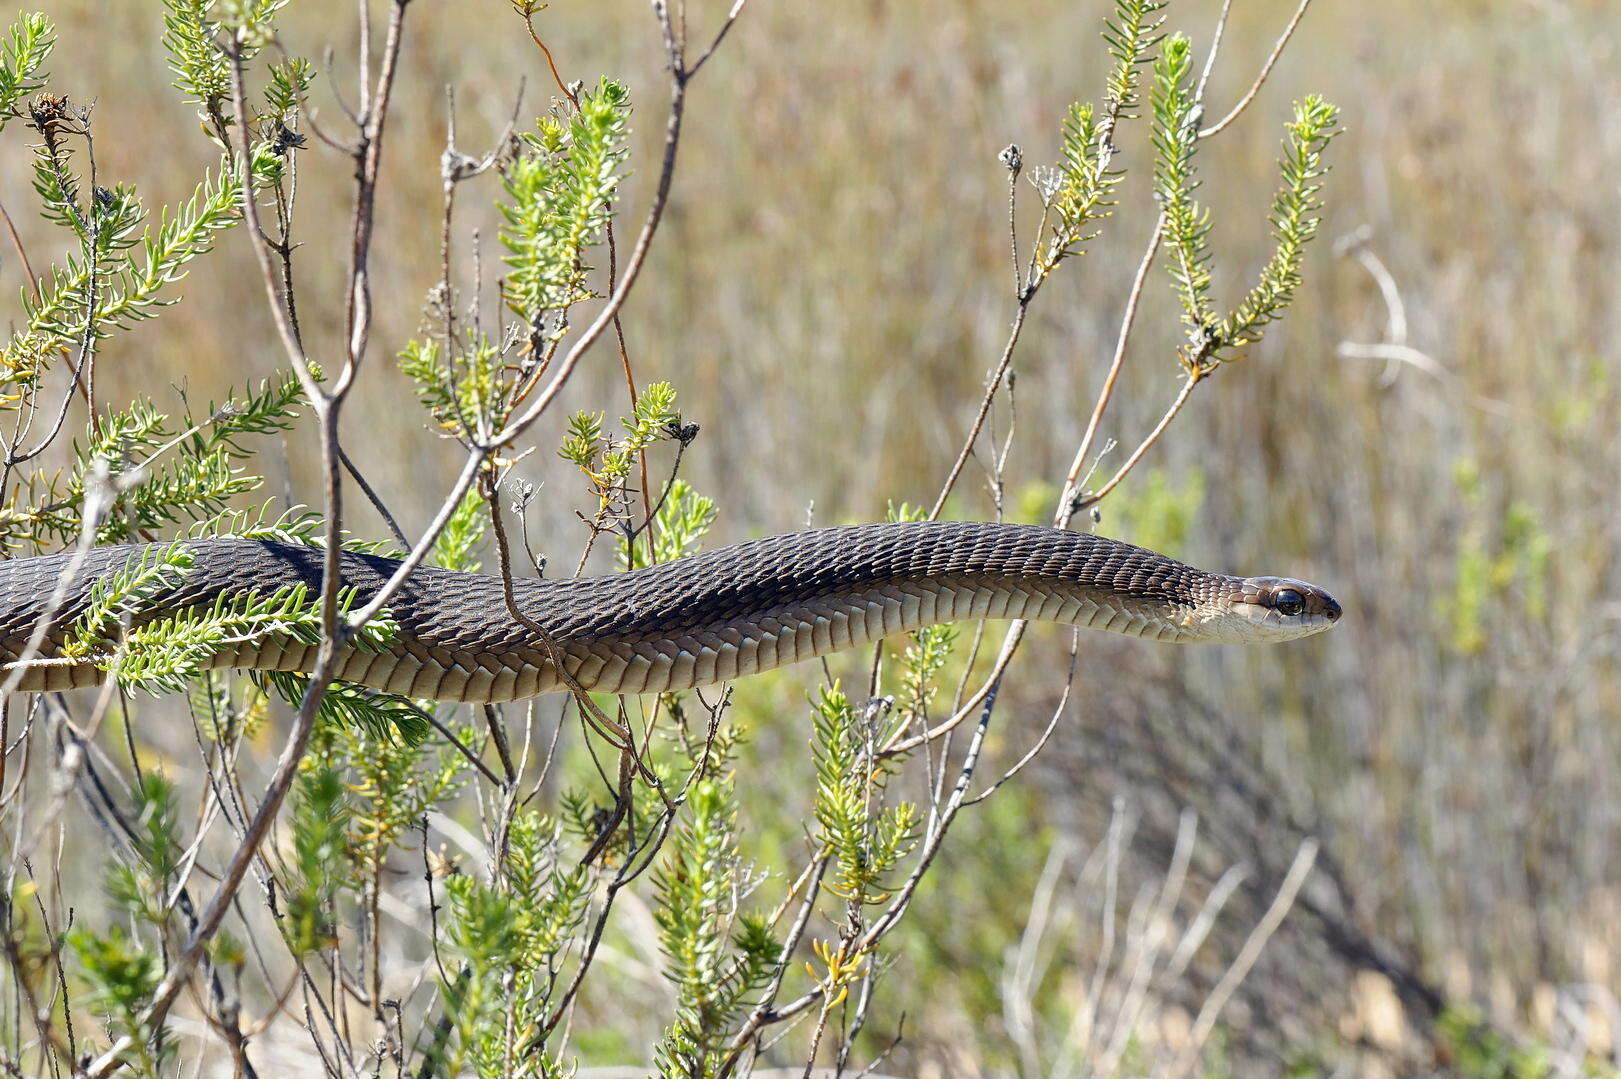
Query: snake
[[697, 620]]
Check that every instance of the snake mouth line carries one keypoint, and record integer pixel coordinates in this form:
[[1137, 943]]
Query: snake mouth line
[[715, 616]]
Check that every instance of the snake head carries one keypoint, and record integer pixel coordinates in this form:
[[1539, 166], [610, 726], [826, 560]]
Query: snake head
[[1279, 609]]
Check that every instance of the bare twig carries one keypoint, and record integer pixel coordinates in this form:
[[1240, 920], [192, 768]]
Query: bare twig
[[992, 384], [373, 497], [1240, 967], [720, 35], [22, 252], [1188, 382], [1266, 69], [1128, 319]]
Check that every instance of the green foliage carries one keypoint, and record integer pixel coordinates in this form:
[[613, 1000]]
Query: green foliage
[[297, 525], [606, 462], [54, 181], [142, 883], [129, 289], [1501, 562], [1131, 35], [289, 85], [1187, 223], [224, 707], [928, 650], [197, 63], [182, 235], [393, 780], [867, 838], [904, 511], [269, 409], [1081, 192], [193, 34], [117, 598], [558, 197], [510, 935], [1084, 192], [958, 932], [186, 487], [681, 521], [122, 975], [581, 445], [465, 395], [165, 653], [23, 52], [553, 892], [166, 474], [251, 22], [320, 829], [716, 958], [384, 717], [482, 930], [1031, 502], [559, 191], [1294, 217], [584, 816], [462, 534]]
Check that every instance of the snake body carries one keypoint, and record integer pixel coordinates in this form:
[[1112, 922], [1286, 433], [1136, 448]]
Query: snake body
[[707, 618]]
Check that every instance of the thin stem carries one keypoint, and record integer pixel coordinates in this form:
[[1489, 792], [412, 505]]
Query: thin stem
[[1128, 319], [1235, 974], [285, 328], [22, 253], [369, 156], [1046, 733], [763, 1013], [1011, 158], [1215, 49], [83, 369], [1266, 69], [638, 255], [726, 28], [1190, 381], [985, 401], [615, 733], [373, 497], [551, 64]]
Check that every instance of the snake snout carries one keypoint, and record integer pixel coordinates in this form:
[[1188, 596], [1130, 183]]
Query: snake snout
[[1282, 608], [1315, 604]]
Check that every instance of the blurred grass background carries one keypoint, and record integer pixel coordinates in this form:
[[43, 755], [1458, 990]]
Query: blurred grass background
[[828, 295]]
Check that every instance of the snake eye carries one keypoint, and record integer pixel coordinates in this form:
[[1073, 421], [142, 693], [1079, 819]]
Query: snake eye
[[1288, 602]]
